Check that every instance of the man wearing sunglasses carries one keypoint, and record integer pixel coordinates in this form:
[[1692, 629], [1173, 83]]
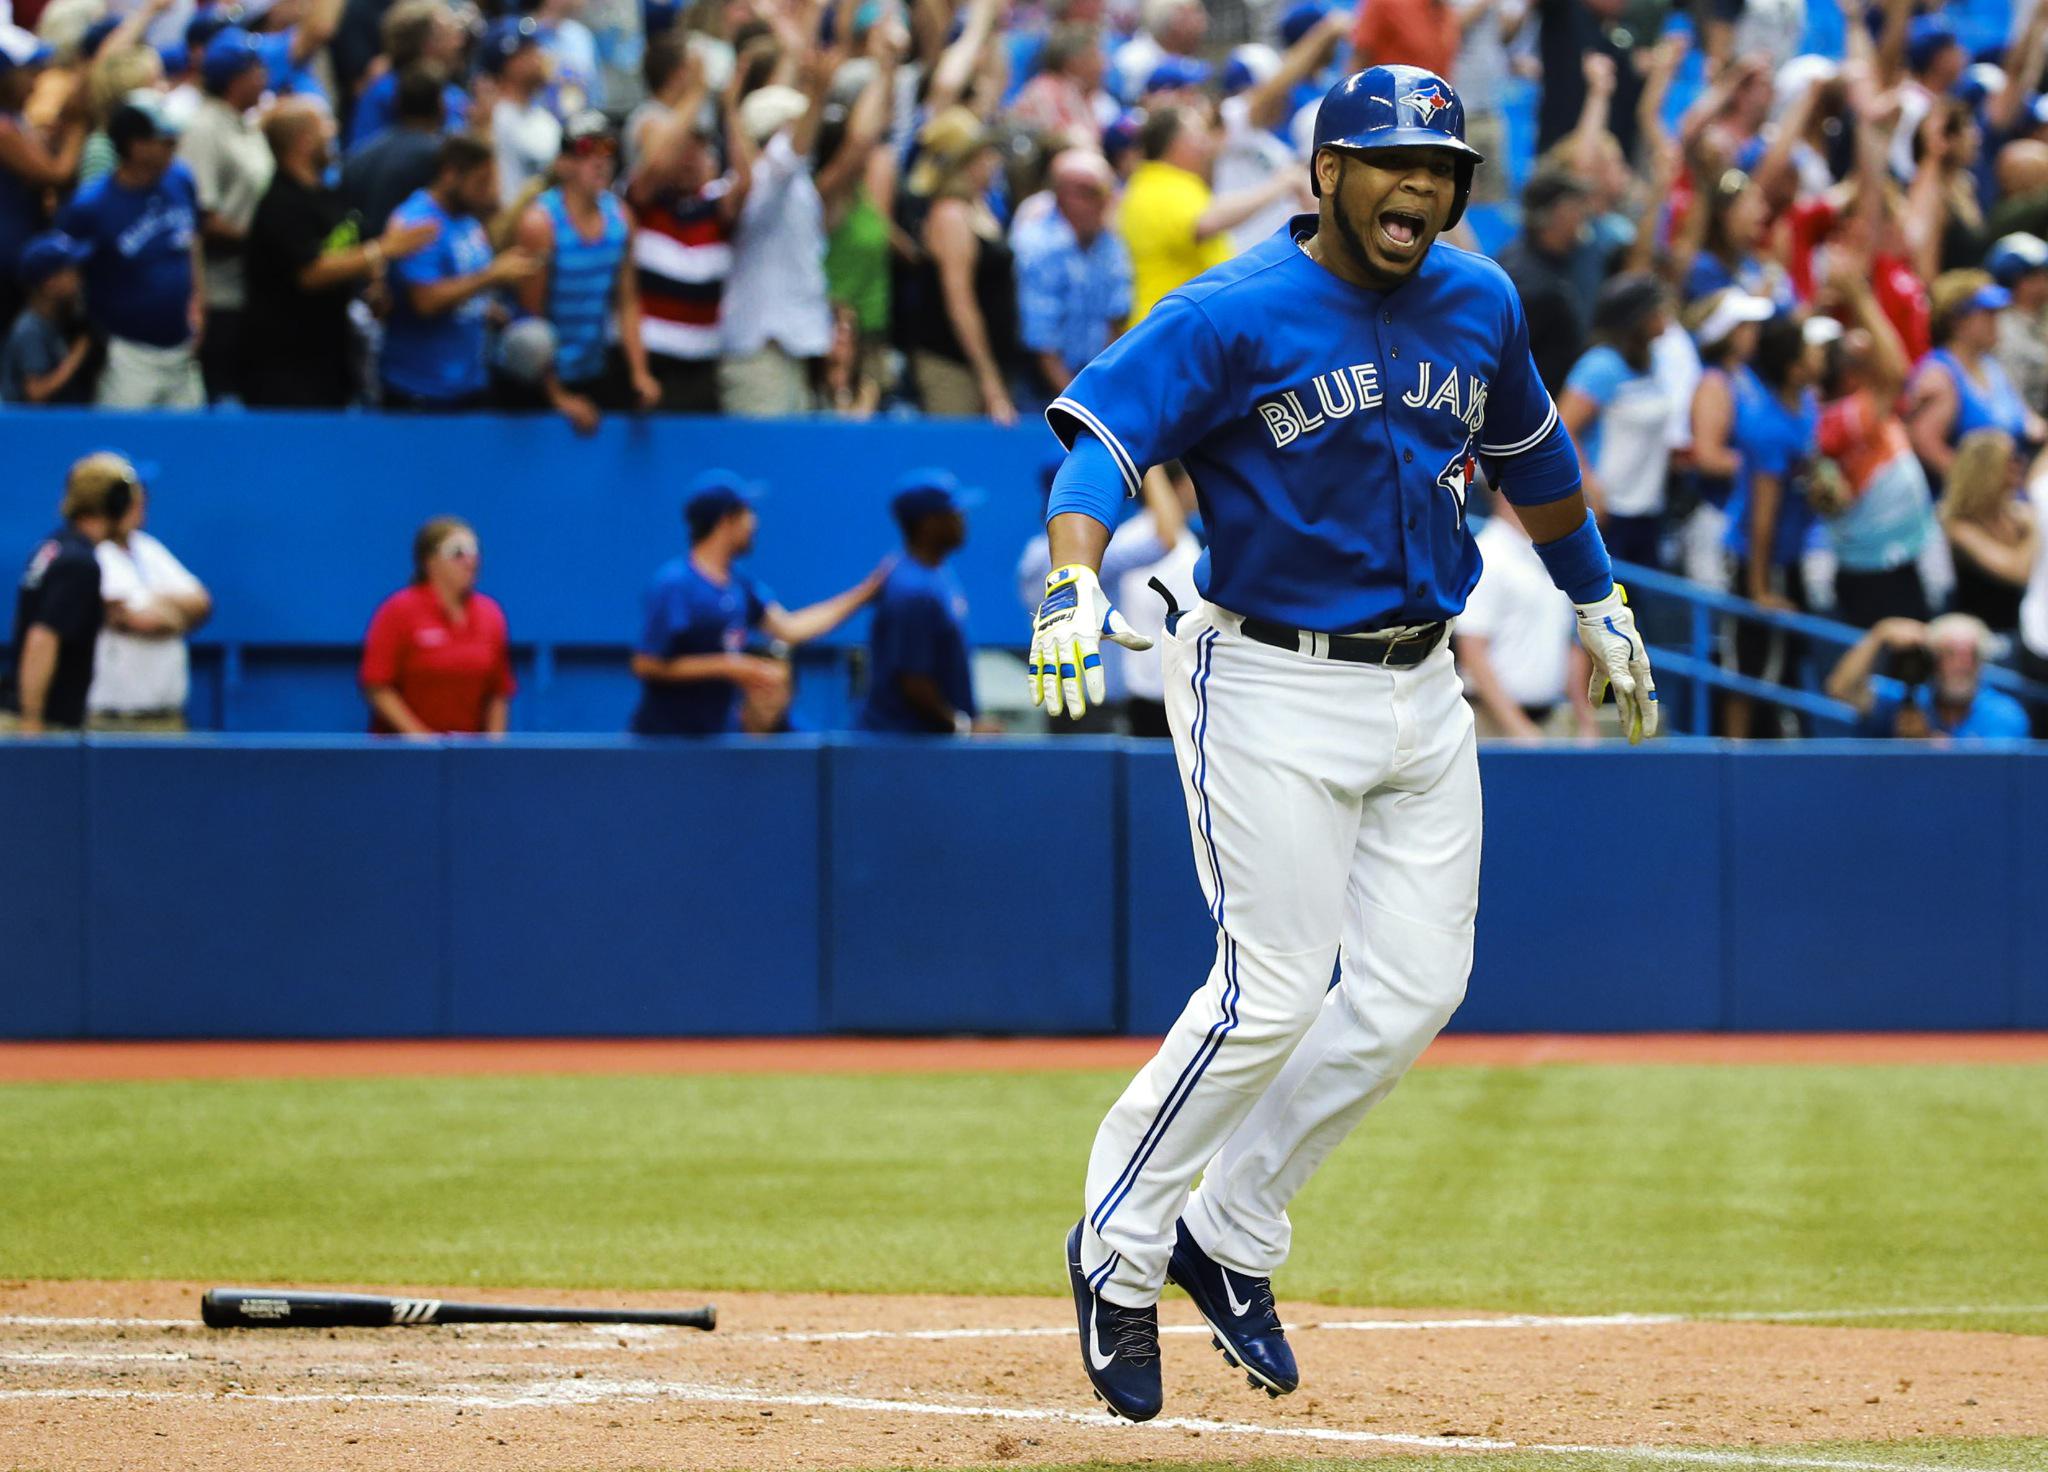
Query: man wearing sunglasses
[[581, 234]]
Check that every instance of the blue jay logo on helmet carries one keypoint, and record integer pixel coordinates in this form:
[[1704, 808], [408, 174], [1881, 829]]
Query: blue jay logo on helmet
[[1427, 104]]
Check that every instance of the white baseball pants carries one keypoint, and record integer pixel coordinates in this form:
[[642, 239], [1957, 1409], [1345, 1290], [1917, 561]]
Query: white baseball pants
[[1336, 819]]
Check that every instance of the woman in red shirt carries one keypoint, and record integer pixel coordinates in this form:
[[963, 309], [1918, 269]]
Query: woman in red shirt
[[437, 658]]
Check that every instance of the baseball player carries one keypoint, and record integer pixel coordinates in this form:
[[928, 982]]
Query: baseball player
[[1330, 392]]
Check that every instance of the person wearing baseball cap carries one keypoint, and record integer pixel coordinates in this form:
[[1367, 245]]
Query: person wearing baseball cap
[[32, 162], [58, 611], [2019, 263], [145, 279], [692, 660], [232, 166], [524, 128], [1961, 386], [920, 672], [1724, 325], [46, 352]]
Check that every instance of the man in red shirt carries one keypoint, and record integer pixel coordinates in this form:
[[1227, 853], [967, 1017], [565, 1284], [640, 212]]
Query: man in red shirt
[[1424, 33], [438, 657]]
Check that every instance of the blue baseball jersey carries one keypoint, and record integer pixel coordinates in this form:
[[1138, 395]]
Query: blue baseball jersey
[[1333, 433], [687, 613], [920, 629]]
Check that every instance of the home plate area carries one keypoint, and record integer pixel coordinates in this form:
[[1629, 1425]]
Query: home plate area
[[122, 1376]]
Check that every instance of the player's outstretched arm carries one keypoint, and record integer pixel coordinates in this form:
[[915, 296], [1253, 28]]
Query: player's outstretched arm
[[1568, 541]]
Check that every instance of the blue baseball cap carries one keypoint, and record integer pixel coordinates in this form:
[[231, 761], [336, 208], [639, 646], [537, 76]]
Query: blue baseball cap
[[1176, 72], [207, 22], [715, 495], [1992, 298], [19, 48], [229, 54], [1977, 83], [1121, 136], [1249, 65], [139, 115], [47, 254], [504, 39], [1927, 36], [2013, 256], [1300, 19], [929, 492]]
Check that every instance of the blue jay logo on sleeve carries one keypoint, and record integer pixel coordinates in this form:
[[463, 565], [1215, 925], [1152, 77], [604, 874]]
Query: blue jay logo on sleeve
[[1427, 104], [1332, 396]]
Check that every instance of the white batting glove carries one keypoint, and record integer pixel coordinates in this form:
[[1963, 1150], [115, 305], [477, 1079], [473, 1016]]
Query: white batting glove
[[1066, 641], [1620, 658]]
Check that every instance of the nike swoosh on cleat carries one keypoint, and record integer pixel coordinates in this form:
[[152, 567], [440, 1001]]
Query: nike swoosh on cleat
[[1096, 1357], [1239, 1309]]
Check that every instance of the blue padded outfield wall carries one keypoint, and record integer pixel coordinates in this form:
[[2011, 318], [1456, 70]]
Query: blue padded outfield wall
[[301, 524], [307, 887]]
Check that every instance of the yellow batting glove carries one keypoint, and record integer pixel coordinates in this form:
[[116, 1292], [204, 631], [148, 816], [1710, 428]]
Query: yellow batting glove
[[1066, 641]]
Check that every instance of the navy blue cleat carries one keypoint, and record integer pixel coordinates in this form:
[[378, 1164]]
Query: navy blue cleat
[[1239, 1310], [1119, 1346]]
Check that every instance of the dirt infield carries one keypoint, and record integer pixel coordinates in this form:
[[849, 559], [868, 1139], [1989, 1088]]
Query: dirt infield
[[121, 1376], [62, 1061]]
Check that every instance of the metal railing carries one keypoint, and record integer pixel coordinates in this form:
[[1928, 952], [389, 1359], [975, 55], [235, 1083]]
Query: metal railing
[[1703, 676]]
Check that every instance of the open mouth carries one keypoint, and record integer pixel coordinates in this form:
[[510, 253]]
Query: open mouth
[[1401, 230]]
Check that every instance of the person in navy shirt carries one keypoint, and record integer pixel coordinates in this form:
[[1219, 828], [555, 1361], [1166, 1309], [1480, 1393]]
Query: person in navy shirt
[[920, 680], [1935, 688], [434, 341], [145, 285], [692, 660]]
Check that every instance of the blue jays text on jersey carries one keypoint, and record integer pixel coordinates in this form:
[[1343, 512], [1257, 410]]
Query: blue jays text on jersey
[[1332, 432]]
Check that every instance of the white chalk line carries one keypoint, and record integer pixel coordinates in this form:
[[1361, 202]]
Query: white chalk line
[[95, 1357], [555, 1394]]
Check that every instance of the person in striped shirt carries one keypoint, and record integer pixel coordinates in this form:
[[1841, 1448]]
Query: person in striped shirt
[[682, 254], [586, 290]]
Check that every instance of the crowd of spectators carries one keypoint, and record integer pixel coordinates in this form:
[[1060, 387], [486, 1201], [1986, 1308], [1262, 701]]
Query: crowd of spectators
[[1784, 264]]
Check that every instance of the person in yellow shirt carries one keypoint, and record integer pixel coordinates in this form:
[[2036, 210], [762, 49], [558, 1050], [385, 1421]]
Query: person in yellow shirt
[[1173, 225]]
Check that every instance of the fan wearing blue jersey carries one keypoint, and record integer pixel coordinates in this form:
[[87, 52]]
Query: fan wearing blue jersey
[[1332, 392]]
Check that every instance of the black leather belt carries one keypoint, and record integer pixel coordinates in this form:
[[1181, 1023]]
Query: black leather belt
[[1399, 654]]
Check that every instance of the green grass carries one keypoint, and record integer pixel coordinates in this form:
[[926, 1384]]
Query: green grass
[[2005, 1454], [1556, 1189]]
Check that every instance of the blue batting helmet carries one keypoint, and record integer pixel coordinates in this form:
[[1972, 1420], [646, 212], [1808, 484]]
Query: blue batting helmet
[[1398, 107]]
